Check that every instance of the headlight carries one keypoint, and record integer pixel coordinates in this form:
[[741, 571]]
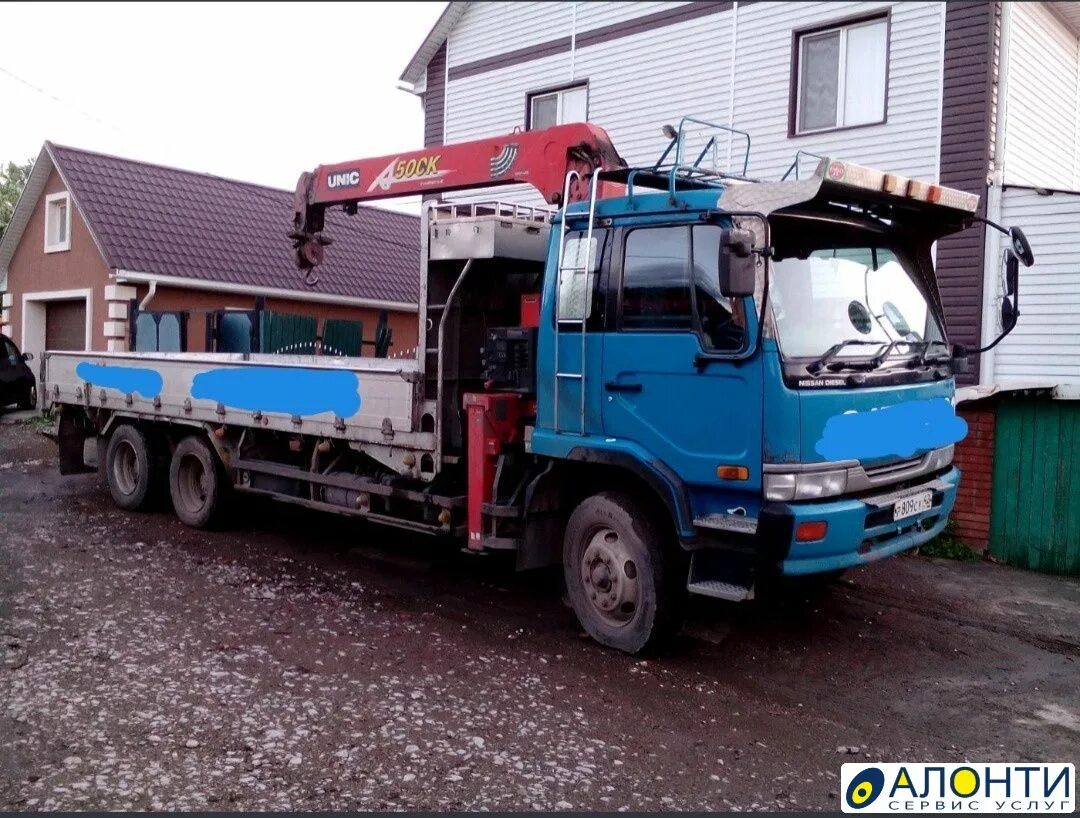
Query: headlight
[[941, 458], [805, 485]]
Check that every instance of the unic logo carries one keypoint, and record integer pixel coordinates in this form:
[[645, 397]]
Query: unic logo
[[996, 788], [345, 178]]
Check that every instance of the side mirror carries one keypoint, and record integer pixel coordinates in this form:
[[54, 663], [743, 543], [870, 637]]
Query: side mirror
[[1009, 314], [1021, 247], [28, 356], [737, 263], [1012, 274]]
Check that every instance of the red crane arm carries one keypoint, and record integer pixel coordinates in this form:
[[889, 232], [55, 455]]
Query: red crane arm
[[541, 158]]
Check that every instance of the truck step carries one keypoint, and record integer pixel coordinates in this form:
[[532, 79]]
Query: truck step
[[721, 590], [738, 523]]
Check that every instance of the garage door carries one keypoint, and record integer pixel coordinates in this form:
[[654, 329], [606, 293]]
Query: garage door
[[65, 324]]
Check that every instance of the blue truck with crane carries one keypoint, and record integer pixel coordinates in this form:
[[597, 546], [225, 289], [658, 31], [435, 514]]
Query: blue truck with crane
[[673, 381]]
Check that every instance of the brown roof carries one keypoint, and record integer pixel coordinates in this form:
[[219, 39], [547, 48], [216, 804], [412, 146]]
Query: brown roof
[[171, 222]]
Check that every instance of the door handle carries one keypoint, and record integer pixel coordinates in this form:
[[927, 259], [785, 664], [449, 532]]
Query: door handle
[[619, 386]]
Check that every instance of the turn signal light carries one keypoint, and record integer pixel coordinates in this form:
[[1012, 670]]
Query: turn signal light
[[733, 472], [809, 532]]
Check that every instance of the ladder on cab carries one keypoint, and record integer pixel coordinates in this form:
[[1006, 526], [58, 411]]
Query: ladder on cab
[[573, 267]]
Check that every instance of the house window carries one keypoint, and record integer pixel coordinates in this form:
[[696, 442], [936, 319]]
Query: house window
[[841, 76], [557, 107], [57, 222]]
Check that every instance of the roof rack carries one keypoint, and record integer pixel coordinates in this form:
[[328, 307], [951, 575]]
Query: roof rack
[[682, 173], [794, 166]]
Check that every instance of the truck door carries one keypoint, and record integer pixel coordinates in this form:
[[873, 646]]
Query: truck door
[[673, 380]]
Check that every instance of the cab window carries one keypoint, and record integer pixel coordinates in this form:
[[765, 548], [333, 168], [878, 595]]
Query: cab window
[[580, 294], [671, 283]]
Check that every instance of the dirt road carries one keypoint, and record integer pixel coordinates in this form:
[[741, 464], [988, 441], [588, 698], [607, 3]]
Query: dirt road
[[298, 661]]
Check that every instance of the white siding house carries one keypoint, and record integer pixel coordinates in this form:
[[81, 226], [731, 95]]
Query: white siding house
[[638, 81], [983, 96]]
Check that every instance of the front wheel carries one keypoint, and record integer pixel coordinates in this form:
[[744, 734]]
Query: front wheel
[[196, 484], [621, 574]]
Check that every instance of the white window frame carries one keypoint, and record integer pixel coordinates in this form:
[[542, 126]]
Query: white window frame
[[51, 199], [558, 93], [841, 81], [33, 314]]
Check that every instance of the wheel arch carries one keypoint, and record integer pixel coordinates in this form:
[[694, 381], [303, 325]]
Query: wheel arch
[[564, 482]]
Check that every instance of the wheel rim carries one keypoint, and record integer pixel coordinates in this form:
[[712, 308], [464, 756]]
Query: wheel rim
[[126, 468], [192, 483], [610, 578]]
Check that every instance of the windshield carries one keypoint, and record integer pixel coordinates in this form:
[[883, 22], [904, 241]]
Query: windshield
[[860, 297]]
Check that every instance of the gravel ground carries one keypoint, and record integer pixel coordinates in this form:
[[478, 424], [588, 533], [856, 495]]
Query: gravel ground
[[301, 661]]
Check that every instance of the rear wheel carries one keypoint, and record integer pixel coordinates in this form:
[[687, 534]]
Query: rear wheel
[[196, 483], [128, 468], [621, 575]]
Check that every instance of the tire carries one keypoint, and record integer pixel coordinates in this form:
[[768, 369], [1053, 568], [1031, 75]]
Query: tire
[[196, 483], [29, 398], [622, 574], [129, 468]]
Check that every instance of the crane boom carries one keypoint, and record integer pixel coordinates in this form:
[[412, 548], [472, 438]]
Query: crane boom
[[541, 158]]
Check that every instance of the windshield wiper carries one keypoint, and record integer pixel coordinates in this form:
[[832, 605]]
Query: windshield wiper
[[819, 364], [879, 359], [923, 346]]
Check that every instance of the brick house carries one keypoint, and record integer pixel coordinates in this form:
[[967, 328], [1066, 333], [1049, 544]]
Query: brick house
[[105, 253]]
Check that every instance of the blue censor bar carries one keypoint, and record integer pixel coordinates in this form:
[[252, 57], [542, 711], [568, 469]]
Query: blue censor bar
[[139, 379], [281, 389], [892, 431]]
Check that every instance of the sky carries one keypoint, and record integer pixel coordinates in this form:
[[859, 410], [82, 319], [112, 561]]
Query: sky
[[258, 92]]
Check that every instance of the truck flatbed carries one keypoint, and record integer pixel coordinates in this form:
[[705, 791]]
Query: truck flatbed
[[371, 403]]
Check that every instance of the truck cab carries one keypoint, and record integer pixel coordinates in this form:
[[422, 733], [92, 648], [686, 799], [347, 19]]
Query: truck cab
[[796, 426]]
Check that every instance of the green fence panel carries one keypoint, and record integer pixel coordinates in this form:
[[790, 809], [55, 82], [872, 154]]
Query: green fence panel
[[286, 333], [1035, 515], [343, 337]]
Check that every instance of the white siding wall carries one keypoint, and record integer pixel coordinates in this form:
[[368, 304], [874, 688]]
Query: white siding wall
[[906, 143], [1042, 141], [489, 29], [1045, 346], [639, 82]]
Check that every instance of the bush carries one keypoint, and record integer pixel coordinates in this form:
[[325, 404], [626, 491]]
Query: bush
[[947, 545]]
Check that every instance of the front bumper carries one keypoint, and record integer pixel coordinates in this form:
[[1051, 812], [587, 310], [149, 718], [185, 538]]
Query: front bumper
[[859, 533]]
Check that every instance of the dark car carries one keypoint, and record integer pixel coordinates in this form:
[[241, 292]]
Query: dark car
[[17, 383]]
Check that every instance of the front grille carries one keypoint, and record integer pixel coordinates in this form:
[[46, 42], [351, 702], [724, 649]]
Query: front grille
[[908, 482], [891, 468]]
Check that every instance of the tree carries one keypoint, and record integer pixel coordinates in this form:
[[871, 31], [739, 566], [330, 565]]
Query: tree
[[12, 181]]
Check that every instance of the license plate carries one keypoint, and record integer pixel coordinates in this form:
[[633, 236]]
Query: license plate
[[915, 504]]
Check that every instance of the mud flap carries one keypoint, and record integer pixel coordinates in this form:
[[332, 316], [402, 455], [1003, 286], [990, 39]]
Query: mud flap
[[72, 432]]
